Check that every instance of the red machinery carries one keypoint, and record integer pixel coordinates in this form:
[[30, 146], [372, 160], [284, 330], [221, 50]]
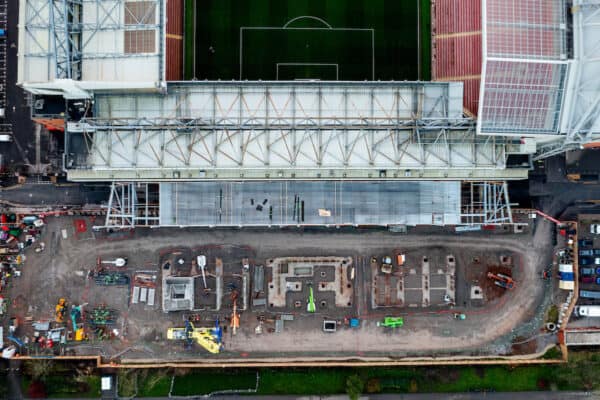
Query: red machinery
[[504, 281]]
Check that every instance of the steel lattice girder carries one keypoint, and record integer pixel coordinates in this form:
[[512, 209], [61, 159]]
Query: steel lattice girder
[[281, 149], [271, 126]]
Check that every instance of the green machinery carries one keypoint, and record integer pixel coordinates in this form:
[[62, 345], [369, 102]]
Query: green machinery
[[101, 316], [391, 322], [111, 279], [310, 304]]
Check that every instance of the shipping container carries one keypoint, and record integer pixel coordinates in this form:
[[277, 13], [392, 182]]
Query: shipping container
[[566, 276], [565, 267]]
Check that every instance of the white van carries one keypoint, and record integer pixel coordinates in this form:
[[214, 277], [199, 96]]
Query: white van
[[6, 138], [587, 311]]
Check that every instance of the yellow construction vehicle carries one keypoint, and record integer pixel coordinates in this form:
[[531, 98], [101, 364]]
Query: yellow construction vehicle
[[59, 310], [208, 338], [80, 335]]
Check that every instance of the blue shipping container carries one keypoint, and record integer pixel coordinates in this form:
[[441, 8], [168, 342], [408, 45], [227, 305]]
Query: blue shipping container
[[567, 276]]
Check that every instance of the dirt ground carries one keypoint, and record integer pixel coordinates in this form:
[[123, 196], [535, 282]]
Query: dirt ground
[[62, 271]]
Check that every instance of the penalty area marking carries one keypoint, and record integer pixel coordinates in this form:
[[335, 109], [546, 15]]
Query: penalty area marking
[[278, 28], [336, 65]]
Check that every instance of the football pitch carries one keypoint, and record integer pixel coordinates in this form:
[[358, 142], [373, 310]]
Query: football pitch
[[307, 39]]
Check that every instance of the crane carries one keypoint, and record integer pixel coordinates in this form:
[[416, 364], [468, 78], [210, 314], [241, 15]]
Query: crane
[[310, 304], [235, 317], [117, 262], [504, 281], [201, 260], [548, 217]]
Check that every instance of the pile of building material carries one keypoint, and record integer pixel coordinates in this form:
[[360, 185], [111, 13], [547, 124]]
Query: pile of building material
[[144, 289]]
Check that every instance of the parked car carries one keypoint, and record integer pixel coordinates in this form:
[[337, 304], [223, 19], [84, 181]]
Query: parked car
[[585, 261], [585, 242], [587, 271], [598, 280], [586, 252], [587, 279], [596, 252], [595, 229]]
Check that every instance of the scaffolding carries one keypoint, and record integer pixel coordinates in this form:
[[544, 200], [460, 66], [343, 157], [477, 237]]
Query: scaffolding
[[485, 203], [132, 204]]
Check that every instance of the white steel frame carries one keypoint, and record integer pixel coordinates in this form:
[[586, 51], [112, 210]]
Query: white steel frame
[[125, 208], [486, 203], [243, 127], [70, 37]]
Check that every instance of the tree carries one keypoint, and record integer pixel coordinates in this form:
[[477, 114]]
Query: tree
[[36, 390], [40, 369], [354, 386]]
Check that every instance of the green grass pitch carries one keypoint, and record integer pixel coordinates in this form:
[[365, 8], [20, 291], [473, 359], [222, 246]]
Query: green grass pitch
[[245, 39]]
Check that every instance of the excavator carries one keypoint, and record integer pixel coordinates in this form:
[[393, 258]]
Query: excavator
[[76, 313], [59, 310], [210, 339]]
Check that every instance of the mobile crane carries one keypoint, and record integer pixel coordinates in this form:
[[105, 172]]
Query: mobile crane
[[504, 281]]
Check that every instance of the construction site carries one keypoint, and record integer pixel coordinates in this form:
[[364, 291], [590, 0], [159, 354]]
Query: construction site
[[268, 294], [310, 219]]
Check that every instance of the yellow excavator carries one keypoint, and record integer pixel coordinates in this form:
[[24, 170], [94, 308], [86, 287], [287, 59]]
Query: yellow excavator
[[208, 338], [59, 310]]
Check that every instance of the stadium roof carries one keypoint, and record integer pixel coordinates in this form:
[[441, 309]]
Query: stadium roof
[[115, 43], [525, 61], [541, 72], [582, 105], [287, 130]]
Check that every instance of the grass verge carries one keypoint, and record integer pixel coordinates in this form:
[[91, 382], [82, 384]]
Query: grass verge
[[205, 382]]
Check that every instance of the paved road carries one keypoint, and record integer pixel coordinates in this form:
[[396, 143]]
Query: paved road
[[46, 194], [430, 396], [556, 194], [22, 150]]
